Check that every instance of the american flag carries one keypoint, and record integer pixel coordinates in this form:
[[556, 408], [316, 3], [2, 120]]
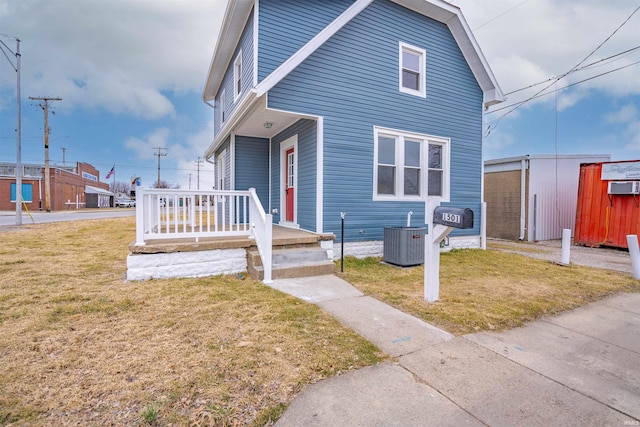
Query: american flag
[[111, 172]]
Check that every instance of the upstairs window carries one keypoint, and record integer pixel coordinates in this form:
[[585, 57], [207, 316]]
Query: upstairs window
[[412, 75], [223, 106], [410, 166], [237, 76]]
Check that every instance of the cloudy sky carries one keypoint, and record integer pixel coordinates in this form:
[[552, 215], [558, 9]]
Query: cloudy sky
[[130, 74]]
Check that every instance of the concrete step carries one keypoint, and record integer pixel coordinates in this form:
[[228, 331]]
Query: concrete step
[[289, 255], [291, 262], [288, 271]]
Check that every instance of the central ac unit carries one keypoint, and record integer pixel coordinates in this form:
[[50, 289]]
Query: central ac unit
[[624, 187]]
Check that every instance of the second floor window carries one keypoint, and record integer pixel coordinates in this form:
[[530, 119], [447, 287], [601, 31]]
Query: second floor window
[[237, 76], [412, 70], [223, 106]]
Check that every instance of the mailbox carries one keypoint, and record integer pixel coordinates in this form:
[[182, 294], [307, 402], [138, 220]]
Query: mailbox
[[453, 217]]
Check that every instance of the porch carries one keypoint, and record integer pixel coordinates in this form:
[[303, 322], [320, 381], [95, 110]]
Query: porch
[[202, 233]]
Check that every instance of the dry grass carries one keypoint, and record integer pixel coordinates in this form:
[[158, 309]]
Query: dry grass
[[487, 290], [82, 347]]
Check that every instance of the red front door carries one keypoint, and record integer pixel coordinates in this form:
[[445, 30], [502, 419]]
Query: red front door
[[289, 181]]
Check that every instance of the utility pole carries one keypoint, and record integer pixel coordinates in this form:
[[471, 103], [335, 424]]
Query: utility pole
[[158, 155], [198, 162], [190, 181], [47, 183], [18, 127], [64, 150]]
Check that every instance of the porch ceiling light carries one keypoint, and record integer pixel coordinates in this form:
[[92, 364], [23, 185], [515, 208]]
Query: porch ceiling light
[[268, 125]]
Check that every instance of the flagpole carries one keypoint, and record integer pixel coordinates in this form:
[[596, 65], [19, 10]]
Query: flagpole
[[114, 176]]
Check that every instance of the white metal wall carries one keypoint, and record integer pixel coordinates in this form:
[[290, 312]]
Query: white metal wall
[[553, 193]]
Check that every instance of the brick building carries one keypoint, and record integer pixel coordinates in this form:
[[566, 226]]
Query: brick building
[[72, 187]]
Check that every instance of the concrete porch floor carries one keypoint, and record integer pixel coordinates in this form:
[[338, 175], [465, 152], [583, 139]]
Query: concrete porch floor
[[282, 236]]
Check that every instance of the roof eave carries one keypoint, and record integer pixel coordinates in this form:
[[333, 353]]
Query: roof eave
[[452, 16], [233, 24]]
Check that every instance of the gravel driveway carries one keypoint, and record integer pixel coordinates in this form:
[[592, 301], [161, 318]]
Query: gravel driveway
[[551, 250]]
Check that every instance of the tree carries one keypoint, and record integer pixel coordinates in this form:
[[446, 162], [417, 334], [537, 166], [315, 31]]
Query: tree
[[165, 184], [119, 187]]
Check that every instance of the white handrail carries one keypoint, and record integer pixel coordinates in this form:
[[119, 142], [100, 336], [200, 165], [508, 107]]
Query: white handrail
[[164, 213], [262, 231]]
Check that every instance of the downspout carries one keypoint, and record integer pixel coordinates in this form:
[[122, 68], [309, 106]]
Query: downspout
[[523, 168]]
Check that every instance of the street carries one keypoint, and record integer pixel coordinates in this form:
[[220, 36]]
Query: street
[[8, 218]]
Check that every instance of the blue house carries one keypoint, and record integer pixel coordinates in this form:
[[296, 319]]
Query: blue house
[[367, 107]]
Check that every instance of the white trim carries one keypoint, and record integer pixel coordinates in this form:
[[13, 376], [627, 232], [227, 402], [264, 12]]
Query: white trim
[[270, 175], [223, 109], [238, 12], [237, 63], [291, 142], [312, 45], [256, 30], [221, 170], [235, 20], [319, 174], [424, 165], [422, 83], [232, 162], [248, 102]]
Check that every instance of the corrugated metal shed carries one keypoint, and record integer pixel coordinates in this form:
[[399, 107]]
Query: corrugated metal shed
[[547, 201]]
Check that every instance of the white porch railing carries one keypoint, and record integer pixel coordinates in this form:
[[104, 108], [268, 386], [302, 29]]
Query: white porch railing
[[194, 214]]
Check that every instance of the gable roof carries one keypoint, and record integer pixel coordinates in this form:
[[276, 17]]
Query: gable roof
[[439, 10]]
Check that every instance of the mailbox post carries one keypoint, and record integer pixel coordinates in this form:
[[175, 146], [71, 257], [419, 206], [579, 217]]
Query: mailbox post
[[440, 222]]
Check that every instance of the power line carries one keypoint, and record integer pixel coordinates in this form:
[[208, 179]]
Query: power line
[[495, 123], [586, 67], [500, 16], [562, 88]]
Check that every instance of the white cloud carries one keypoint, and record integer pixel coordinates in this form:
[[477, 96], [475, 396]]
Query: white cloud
[[627, 113], [540, 39], [628, 117], [182, 151], [145, 148], [119, 55]]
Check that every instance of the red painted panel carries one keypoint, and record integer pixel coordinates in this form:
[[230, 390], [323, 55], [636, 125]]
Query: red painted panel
[[289, 184], [603, 219]]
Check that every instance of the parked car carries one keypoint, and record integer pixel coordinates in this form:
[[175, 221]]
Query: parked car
[[125, 203]]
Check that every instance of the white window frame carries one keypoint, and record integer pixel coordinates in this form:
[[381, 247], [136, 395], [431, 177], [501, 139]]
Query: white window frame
[[237, 76], [221, 166], [425, 141], [223, 107], [422, 78]]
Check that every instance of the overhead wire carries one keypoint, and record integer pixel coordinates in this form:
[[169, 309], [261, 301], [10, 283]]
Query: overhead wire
[[493, 124], [500, 15], [586, 67], [562, 88]]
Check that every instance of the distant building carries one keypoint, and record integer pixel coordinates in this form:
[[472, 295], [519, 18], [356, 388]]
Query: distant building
[[533, 197], [72, 187]]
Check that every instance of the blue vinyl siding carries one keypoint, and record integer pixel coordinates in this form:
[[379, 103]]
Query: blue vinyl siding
[[287, 25], [307, 152], [252, 166], [246, 44], [352, 81]]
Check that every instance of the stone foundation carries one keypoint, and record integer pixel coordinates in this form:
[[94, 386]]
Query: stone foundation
[[186, 264]]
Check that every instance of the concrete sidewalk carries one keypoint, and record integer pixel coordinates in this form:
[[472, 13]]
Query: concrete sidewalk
[[579, 368]]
